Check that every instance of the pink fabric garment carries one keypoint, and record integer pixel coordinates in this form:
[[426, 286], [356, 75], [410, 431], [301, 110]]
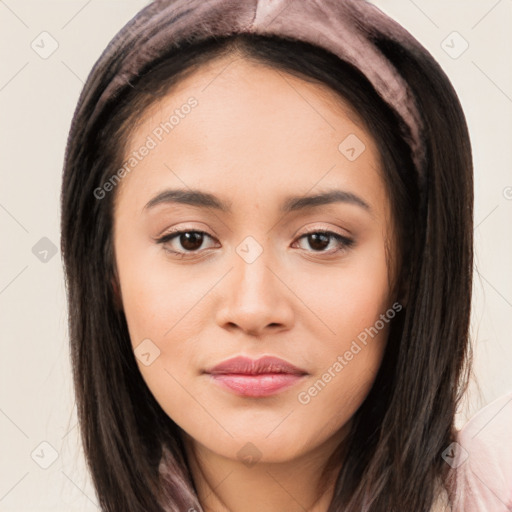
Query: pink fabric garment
[[483, 460]]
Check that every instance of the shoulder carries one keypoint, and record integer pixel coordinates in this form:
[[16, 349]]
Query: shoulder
[[482, 459]]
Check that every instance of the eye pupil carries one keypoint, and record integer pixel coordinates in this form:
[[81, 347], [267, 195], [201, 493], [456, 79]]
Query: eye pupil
[[189, 240], [315, 238]]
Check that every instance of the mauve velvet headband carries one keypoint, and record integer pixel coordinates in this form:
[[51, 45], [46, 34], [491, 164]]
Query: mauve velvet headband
[[343, 27]]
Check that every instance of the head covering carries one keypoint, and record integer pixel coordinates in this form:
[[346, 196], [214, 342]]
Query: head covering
[[346, 28]]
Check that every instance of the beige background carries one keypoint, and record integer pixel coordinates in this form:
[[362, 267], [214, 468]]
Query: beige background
[[37, 100]]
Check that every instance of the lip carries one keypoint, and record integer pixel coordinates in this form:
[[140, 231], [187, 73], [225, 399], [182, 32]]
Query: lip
[[256, 378]]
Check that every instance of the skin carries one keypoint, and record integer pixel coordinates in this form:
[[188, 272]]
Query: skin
[[256, 137]]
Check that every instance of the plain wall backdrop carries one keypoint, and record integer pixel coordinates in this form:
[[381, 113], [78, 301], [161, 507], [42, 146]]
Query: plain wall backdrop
[[47, 50]]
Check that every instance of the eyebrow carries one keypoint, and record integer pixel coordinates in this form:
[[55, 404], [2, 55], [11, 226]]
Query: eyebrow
[[194, 197]]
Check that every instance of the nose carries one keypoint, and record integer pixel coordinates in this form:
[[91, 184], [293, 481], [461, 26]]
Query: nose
[[255, 297]]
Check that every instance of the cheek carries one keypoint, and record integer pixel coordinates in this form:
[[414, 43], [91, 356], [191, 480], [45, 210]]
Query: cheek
[[163, 311], [351, 298], [356, 307], [169, 305], [158, 295]]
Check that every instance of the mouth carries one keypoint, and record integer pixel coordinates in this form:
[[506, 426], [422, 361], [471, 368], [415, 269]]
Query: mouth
[[262, 377]]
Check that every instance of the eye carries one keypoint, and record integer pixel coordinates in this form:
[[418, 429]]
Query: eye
[[320, 239], [189, 240]]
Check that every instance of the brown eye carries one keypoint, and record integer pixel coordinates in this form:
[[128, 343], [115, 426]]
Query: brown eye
[[191, 240], [318, 241], [183, 242]]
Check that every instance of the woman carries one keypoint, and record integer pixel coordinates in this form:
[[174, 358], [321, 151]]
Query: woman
[[267, 234]]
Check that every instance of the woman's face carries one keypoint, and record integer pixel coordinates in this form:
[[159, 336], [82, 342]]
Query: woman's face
[[234, 157]]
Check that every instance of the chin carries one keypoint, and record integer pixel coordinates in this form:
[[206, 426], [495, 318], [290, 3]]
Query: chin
[[251, 446]]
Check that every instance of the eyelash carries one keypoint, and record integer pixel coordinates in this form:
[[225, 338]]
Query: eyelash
[[344, 241]]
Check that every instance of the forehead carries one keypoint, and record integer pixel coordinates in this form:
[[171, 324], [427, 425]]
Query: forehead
[[230, 80], [252, 127]]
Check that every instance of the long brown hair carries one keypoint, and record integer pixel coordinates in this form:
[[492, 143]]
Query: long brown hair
[[392, 460]]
